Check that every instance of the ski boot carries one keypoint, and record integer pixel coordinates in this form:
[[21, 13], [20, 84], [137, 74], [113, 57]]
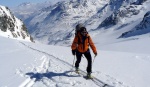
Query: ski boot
[[77, 70], [89, 76]]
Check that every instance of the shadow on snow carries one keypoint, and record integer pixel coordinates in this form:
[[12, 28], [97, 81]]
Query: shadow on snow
[[39, 76]]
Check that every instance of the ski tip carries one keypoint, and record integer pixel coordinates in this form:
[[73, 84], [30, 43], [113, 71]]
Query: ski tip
[[107, 85]]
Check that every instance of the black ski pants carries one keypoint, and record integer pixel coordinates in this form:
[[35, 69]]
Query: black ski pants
[[87, 54]]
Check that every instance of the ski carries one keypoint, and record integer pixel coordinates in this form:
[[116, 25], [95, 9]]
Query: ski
[[93, 78]]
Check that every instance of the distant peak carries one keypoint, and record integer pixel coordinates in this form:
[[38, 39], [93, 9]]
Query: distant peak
[[25, 4]]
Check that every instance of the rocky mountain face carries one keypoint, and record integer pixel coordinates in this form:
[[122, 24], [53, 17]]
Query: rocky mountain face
[[12, 27], [126, 15], [124, 10], [142, 28], [54, 24]]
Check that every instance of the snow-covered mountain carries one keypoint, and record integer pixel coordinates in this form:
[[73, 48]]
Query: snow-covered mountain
[[129, 15], [27, 9], [12, 27], [54, 24], [142, 28]]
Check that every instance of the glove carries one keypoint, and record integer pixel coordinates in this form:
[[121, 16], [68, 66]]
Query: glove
[[73, 52], [95, 54]]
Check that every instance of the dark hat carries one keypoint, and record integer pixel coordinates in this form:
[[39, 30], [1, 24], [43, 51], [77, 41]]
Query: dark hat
[[79, 26]]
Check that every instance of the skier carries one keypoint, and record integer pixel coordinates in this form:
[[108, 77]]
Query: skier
[[80, 46]]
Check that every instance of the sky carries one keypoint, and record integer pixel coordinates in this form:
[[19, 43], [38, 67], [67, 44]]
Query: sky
[[13, 3]]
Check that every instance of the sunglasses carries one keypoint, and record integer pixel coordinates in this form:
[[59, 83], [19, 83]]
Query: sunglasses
[[84, 32]]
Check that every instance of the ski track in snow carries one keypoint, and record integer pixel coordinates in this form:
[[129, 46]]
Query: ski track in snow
[[48, 78], [42, 68]]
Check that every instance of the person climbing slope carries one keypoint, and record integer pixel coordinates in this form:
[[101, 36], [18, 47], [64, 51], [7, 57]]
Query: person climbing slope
[[80, 46]]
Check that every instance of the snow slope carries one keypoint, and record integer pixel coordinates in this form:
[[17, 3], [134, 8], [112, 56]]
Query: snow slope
[[25, 64]]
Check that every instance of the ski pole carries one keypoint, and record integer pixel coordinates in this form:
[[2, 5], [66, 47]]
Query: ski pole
[[73, 62], [94, 59]]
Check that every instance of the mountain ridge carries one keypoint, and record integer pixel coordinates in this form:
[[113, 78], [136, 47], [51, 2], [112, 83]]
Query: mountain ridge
[[53, 23], [11, 26]]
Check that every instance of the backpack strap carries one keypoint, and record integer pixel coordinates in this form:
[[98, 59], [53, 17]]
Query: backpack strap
[[79, 41], [88, 38]]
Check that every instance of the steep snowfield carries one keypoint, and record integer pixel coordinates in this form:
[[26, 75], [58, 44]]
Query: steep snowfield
[[120, 64]]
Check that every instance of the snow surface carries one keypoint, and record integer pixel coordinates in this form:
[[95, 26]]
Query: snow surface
[[120, 64]]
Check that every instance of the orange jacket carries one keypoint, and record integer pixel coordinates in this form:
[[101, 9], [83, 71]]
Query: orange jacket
[[83, 46]]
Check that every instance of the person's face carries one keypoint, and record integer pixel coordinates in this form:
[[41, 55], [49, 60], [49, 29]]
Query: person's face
[[84, 33]]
